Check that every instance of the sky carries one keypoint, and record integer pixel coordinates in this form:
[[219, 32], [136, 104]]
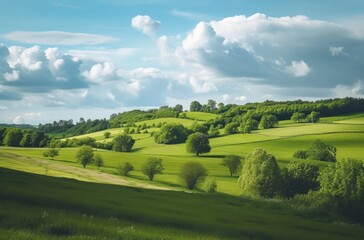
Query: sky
[[69, 59]]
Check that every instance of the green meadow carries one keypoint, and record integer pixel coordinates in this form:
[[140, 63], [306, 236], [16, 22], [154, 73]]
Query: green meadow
[[95, 206]]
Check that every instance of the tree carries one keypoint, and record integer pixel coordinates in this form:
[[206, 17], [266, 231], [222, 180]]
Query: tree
[[195, 106], [344, 182], [171, 133], [123, 143], [26, 140], [125, 168], [248, 125], [260, 174], [268, 121], [178, 108], [213, 132], [231, 128], [211, 104], [107, 134], [314, 117], [152, 166], [300, 154], [298, 117], [197, 127], [299, 178], [99, 162], [13, 137], [322, 151], [193, 174], [233, 162], [52, 152], [85, 155], [198, 143]]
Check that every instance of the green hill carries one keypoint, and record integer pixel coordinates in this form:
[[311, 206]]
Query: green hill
[[40, 207]]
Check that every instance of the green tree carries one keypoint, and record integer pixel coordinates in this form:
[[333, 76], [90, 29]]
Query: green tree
[[268, 121], [197, 127], [300, 154], [314, 117], [152, 166], [26, 140], [322, 151], [299, 178], [260, 174], [125, 168], [231, 128], [198, 143], [51, 152], [123, 143], [211, 104], [13, 137], [298, 117], [344, 182], [192, 174], [195, 106], [85, 155], [178, 108], [99, 162], [107, 134], [248, 125], [233, 162], [213, 132], [171, 133]]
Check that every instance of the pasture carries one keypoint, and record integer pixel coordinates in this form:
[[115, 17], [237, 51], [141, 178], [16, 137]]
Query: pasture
[[40, 207]]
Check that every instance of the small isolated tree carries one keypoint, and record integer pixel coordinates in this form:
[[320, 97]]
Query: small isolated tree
[[85, 155], [152, 166], [52, 152], [195, 106], [233, 162], [260, 174], [299, 178], [99, 162], [314, 117], [171, 133], [123, 143], [125, 168], [107, 134], [193, 174], [198, 143], [298, 117], [322, 151]]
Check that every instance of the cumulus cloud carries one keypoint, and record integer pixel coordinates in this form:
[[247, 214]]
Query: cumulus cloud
[[145, 24], [18, 120], [35, 70], [200, 86], [337, 51], [101, 72], [57, 38], [298, 69], [241, 98]]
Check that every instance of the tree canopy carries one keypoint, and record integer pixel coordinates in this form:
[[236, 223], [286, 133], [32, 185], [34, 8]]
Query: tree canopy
[[198, 143], [123, 143], [171, 133], [193, 174], [260, 174], [233, 162], [85, 155], [152, 166]]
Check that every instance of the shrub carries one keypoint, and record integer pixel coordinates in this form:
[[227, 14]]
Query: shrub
[[210, 186], [300, 154], [152, 166], [193, 174], [125, 168]]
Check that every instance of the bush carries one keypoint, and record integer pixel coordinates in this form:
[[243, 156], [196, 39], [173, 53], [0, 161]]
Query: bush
[[322, 151], [231, 128], [210, 186], [193, 174], [171, 133], [123, 143], [152, 166], [125, 168], [300, 154]]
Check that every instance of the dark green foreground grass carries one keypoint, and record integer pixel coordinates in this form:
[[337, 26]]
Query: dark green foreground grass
[[41, 207]]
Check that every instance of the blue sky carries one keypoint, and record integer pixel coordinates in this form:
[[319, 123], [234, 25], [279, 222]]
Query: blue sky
[[71, 59]]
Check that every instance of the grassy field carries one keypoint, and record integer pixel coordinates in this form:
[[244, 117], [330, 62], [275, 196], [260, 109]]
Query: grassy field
[[201, 116], [40, 207]]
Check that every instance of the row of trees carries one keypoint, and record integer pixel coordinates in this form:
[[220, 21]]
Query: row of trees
[[318, 150], [14, 137]]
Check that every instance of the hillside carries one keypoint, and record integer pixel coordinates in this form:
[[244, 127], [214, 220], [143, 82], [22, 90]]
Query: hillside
[[40, 207]]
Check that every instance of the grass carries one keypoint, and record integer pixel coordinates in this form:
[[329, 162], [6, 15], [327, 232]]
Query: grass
[[201, 116], [41, 207]]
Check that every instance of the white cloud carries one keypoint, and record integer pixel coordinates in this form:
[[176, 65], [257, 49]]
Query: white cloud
[[145, 24], [200, 86], [188, 15], [241, 98], [298, 69], [12, 76], [101, 72], [336, 51], [57, 38], [355, 90], [18, 120]]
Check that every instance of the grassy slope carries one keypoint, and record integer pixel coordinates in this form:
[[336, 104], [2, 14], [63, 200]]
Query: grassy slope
[[201, 116], [40, 207], [282, 142]]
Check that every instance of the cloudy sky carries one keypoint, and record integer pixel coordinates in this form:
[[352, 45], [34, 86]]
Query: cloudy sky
[[68, 59]]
